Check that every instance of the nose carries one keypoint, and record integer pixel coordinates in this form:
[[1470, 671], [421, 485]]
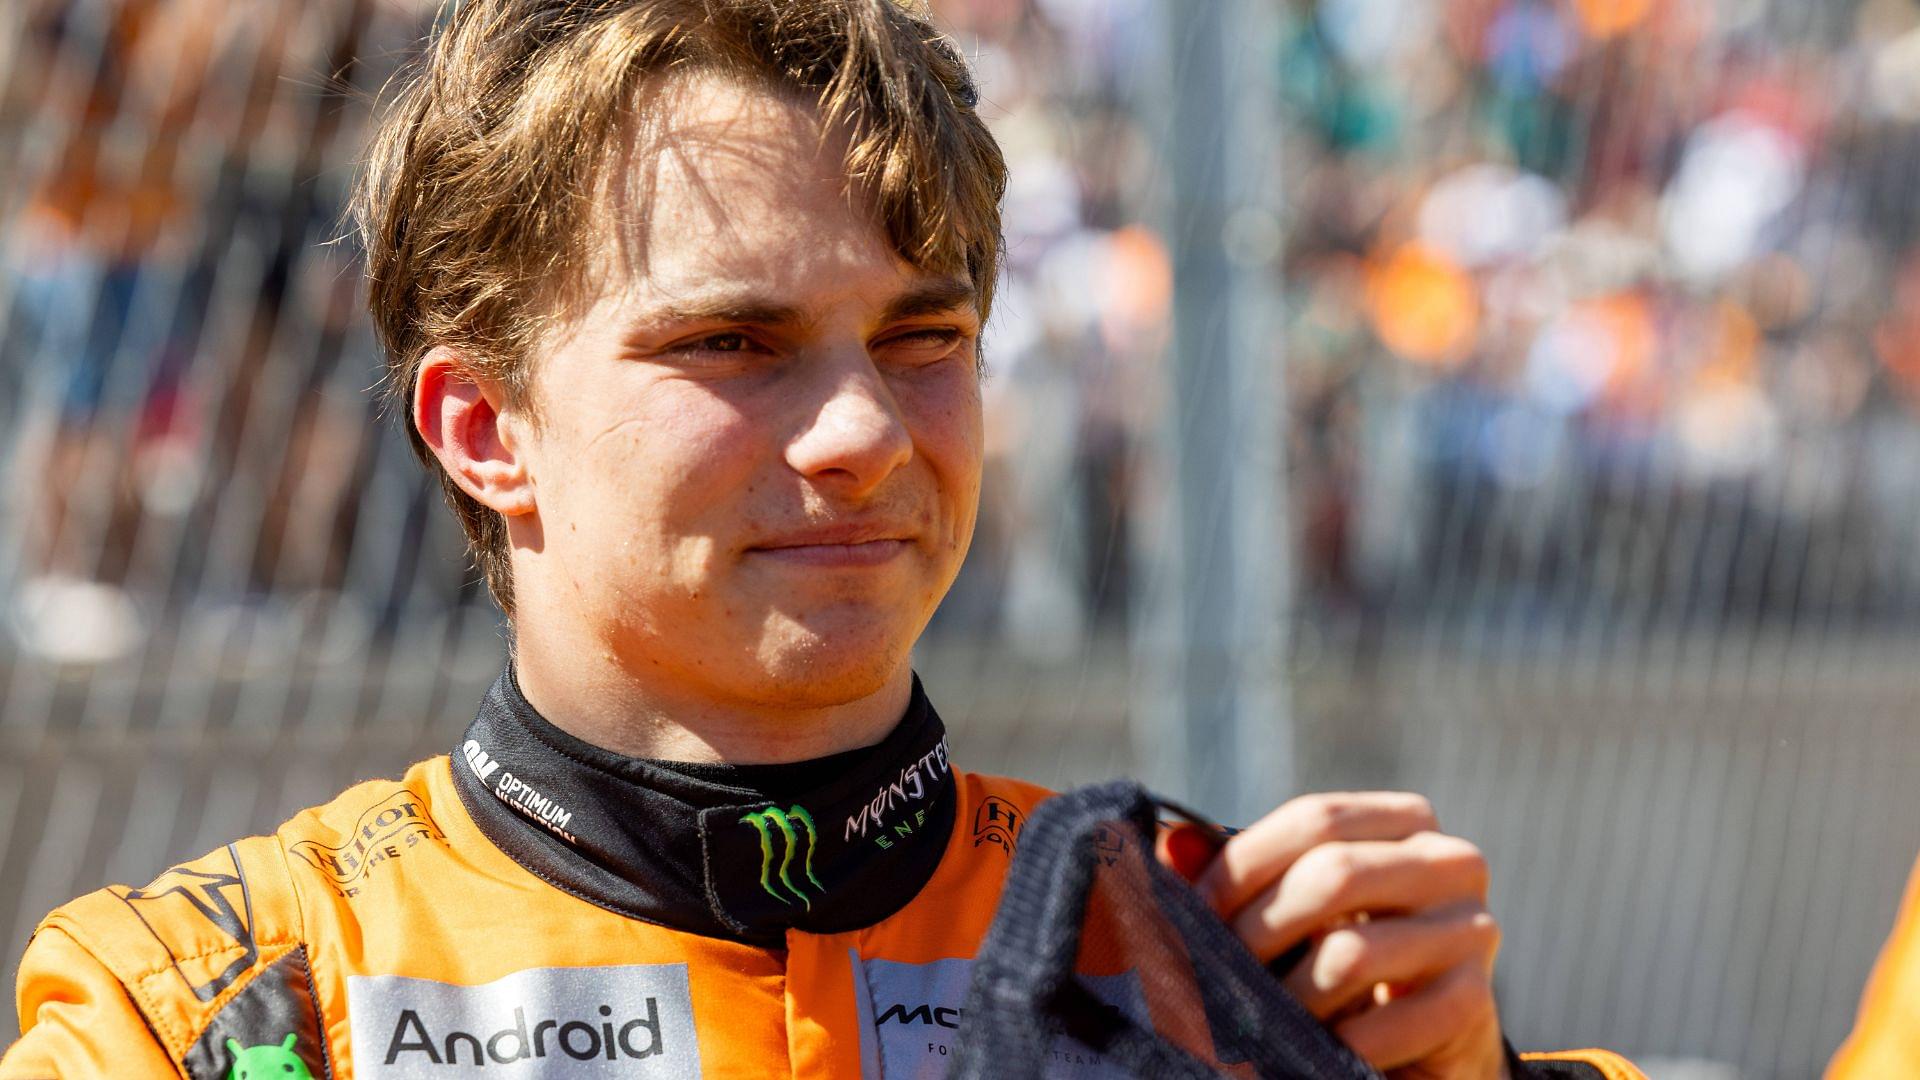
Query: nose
[[856, 436]]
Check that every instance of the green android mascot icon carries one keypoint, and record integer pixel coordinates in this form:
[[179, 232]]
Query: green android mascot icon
[[267, 1062]]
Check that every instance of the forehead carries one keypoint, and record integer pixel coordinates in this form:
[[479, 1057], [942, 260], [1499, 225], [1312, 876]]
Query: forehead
[[725, 186]]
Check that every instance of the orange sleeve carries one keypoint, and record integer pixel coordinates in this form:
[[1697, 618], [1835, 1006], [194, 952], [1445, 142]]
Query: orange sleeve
[[1886, 1032], [1605, 1062], [76, 1020]]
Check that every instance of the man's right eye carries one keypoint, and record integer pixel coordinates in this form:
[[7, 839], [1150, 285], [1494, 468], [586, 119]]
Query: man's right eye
[[725, 343]]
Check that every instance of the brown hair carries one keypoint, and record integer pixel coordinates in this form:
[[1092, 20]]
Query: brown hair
[[475, 204]]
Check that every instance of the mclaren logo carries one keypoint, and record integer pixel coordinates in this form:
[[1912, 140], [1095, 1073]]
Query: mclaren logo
[[923, 1013], [790, 831]]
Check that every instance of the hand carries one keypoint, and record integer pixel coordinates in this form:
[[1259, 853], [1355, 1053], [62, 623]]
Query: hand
[[1400, 945]]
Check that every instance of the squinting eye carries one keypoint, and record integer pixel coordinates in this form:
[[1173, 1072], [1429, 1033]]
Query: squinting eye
[[934, 338], [725, 343]]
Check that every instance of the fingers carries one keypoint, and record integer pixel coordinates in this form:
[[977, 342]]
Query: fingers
[[1258, 857], [1346, 964], [1331, 884], [1403, 961], [1449, 1017]]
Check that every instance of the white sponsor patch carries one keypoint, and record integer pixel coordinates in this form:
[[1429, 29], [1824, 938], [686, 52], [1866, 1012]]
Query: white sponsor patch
[[915, 783], [479, 760], [631, 1021], [910, 1015], [527, 799]]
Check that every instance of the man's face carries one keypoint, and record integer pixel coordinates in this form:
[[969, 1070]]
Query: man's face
[[757, 457]]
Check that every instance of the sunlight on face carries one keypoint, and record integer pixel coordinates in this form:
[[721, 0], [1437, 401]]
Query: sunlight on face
[[759, 451]]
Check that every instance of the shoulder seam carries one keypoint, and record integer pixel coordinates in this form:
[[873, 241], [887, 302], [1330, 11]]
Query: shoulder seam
[[293, 888]]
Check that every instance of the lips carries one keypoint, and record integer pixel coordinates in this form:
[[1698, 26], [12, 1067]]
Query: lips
[[837, 546], [836, 536]]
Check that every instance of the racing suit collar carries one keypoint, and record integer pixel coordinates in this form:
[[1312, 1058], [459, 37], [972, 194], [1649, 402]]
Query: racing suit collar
[[744, 852]]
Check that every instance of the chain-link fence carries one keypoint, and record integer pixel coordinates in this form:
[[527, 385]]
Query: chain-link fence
[[1594, 352]]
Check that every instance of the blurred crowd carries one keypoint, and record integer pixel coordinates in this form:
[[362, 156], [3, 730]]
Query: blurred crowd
[[193, 449], [182, 351], [1080, 323], [1613, 299], [1606, 302]]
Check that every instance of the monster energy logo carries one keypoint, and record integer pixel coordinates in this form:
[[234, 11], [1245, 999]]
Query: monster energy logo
[[771, 820]]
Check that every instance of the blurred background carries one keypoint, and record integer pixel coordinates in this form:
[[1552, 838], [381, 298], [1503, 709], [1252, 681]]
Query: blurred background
[[1513, 400]]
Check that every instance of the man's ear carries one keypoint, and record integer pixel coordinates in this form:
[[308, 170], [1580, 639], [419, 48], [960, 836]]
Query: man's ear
[[464, 420]]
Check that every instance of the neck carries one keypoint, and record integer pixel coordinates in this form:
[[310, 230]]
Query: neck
[[590, 696]]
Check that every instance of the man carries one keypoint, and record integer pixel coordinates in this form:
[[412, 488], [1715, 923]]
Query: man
[[683, 298]]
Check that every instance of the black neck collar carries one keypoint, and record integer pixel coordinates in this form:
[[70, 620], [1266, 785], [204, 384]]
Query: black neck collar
[[742, 852]]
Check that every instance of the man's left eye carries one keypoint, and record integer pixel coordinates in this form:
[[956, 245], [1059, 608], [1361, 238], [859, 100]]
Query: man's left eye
[[934, 337]]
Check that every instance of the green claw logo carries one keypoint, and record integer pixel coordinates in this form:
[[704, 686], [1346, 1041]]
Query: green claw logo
[[267, 1062], [766, 823]]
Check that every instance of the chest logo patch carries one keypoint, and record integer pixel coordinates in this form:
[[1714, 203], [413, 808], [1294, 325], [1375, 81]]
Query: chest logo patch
[[786, 836], [267, 1062], [634, 1020], [910, 1017], [385, 831]]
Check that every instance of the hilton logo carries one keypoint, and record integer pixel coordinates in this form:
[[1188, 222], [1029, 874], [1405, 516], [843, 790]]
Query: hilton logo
[[385, 831]]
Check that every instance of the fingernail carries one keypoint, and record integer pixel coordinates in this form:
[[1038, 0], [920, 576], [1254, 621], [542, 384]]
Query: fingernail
[[1189, 850]]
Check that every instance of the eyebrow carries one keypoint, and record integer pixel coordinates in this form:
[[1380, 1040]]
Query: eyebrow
[[932, 298], [928, 298], [732, 310]]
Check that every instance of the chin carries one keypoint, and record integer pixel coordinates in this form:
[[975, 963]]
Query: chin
[[825, 662]]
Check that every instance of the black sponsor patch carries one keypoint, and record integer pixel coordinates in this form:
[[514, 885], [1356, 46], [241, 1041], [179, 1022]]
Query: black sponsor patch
[[270, 1030]]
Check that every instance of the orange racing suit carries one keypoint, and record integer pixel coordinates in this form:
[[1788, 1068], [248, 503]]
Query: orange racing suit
[[1886, 1034], [535, 906]]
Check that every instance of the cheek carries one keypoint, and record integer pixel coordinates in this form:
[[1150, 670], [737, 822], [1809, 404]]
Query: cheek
[[659, 467], [945, 417]]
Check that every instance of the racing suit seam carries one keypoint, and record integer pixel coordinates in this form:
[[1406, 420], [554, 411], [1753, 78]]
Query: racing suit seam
[[293, 888], [138, 991], [220, 1001], [306, 954], [146, 974], [150, 1029], [319, 1016]]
